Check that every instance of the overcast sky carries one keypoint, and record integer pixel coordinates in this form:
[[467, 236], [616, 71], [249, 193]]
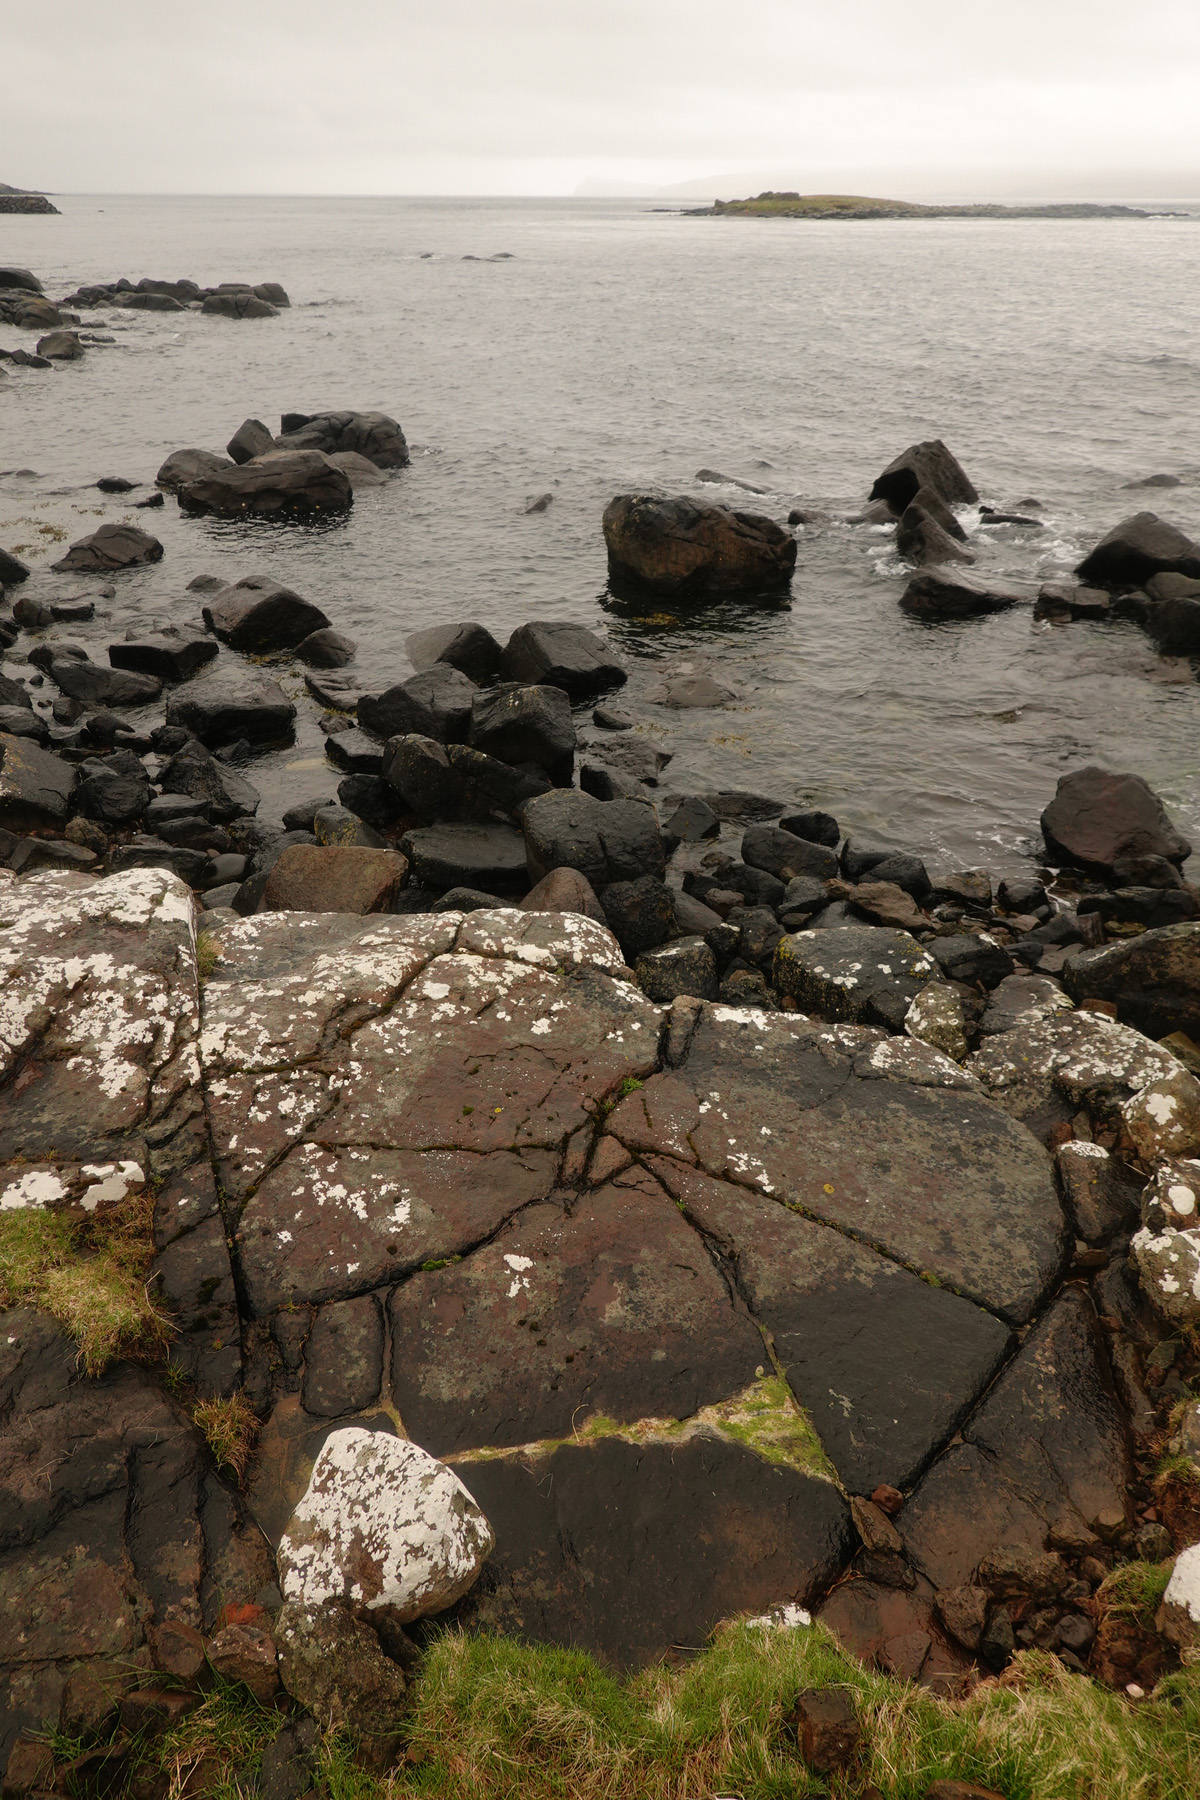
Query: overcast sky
[[546, 96]]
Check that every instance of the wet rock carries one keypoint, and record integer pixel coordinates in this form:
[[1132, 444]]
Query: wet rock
[[526, 725], [904, 871], [259, 712], [361, 472], [863, 974], [22, 721], [883, 903], [383, 1529], [921, 539], [692, 821], [333, 878], [60, 346], [683, 691], [874, 1135], [331, 1662], [1138, 548], [300, 482], [488, 786], [32, 614], [23, 279], [469, 648], [111, 547], [1098, 819], [1021, 1000], [1100, 1194], [12, 570], [1175, 625], [168, 655], [251, 439], [817, 827], [558, 653], [35, 786], [1046, 1453], [337, 825], [183, 466], [590, 1550], [926, 465], [1153, 979], [686, 966], [606, 841], [420, 772], [94, 685], [786, 856], [884, 1364], [114, 790], [946, 593], [370, 434], [355, 751], [609, 784], [256, 615], [563, 890], [246, 1653], [677, 546], [212, 784], [146, 852], [238, 306], [973, 959], [483, 856], [435, 704], [327, 649], [640, 914], [13, 695]]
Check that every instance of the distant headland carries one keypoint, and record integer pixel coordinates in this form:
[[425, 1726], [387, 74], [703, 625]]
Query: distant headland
[[772, 205], [20, 200]]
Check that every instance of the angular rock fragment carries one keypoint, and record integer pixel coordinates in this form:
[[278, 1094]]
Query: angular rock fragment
[[559, 653], [469, 648], [944, 592], [521, 725], [927, 465], [284, 483], [1154, 979], [606, 841], [168, 655], [370, 434], [1137, 549], [333, 878], [256, 615], [676, 546], [862, 974], [111, 547], [1096, 819], [35, 786], [435, 704], [260, 712]]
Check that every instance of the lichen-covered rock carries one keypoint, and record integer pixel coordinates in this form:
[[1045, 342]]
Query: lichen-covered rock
[[1168, 1263], [383, 1525], [1163, 1118], [1153, 978], [1178, 1618], [864, 974], [332, 1663], [935, 1015]]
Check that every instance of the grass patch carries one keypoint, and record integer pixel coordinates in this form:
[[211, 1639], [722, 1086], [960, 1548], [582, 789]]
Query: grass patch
[[89, 1273], [208, 955], [231, 1427], [1134, 1591], [217, 1750], [494, 1720]]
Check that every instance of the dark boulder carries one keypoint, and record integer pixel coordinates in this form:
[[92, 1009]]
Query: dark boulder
[[972, 959], [465, 899], [921, 539], [1138, 548], [31, 614], [355, 751], [817, 827], [183, 466], [169, 654], [692, 821], [299, 483], [95, 685], [491, 857], [148, 302], [563, 890], [435, 704], [945, 593], [327, 649], [261, 713], [238, 306], [558, 653], [60, 346], [419, 770], [470, 648], [370, 434], [677, 546], [490, 786], [35, 786], [1175, 626], [606, 841], [927, 465], [370, 798], [1097, 818], [111, 547], [23, 279], [609, 784], [337, 825], [251, 439], [904, 871], [145, 852], [12, 570], [256, 615], [214, 785], [1153, 980], [22, 721], [865, 974], [13, 693], [686, 966], [113, 789], [521, 725], [640, 914], [784, 856]]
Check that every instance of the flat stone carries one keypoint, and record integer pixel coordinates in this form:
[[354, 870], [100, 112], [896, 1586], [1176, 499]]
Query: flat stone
[[95, 685], [862, 974], [111, 547], [883, 1138], [1047, 1452], [485, 856], [946, 592], [169, 655], [260, 712]]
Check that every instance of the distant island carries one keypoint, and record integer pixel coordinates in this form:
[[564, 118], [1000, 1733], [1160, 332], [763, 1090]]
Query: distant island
[[22, 200], [771, 205]]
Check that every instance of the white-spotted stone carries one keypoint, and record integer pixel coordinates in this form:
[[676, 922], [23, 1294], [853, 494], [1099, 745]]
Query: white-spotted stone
[[382, 1524], [1178, 1618], [1168, 1263]]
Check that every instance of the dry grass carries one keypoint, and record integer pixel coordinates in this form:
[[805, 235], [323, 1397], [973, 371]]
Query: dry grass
[[231, 1427], [88, 1274]]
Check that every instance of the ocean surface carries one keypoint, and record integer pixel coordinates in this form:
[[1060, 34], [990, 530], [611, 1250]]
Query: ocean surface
[[623, 348]]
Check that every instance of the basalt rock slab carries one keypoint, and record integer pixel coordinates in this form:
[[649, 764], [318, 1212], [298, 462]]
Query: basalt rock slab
[[94, 685], [625, 1549], [1047, 1453], [678, 546], [284, 483], [885, 1365], [1153, 979], [260, 712], [885, 1139]]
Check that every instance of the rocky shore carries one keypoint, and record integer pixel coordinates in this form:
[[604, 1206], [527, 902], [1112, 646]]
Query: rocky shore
[[513, 1194]]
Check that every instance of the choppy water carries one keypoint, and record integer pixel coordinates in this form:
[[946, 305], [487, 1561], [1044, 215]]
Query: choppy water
[[622, 348]]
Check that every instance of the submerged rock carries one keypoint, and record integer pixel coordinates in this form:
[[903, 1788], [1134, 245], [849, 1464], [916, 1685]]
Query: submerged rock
[[300, 481], [945, 593], [111, 547]]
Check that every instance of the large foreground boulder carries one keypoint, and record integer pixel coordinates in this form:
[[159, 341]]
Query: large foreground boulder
[[257, 615], [678, 546], [1152, 979], [929, 465], [370, 434], [109, 548], [1138, 549], [1097, 819], [285, 482]]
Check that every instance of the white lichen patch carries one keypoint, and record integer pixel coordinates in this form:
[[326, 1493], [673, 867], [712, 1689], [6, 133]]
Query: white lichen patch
[[33, 1187], [1168, 1264], [1183, 1589], [548, 940], [383, 1524]]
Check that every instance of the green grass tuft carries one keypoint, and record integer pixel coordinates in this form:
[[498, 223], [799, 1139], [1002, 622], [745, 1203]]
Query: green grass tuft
[[1134, 1591], [208, 955], [231, 1427]]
